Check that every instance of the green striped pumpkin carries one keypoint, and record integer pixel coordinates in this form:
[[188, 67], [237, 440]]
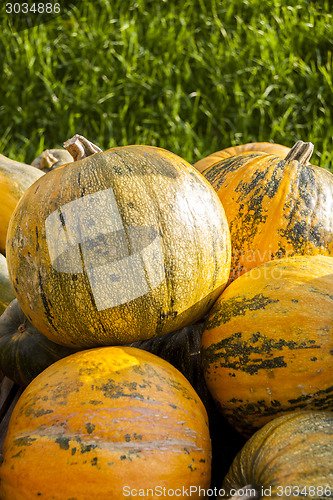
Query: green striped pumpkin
[[268, 341], [118, 246], [290, 457]]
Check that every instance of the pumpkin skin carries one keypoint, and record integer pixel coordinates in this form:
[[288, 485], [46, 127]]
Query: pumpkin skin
[[15, 178], [289, 454], [52, 158], [264, 147], [268, 341], [275, 208], [127, 244], [24, 352], [101, 420], [7, 293]]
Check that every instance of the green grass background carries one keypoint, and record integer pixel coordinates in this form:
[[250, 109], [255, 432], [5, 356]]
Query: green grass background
[[191, 76]]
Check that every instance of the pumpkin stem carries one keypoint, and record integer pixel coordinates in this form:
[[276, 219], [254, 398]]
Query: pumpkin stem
[[79, 147], [22, 327], [47, 159], [248, 492], [301, 151]]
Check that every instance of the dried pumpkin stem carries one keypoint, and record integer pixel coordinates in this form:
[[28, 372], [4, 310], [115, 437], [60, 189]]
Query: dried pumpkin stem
[[79, 147], [301, 151], [248, 492], [47, 159]]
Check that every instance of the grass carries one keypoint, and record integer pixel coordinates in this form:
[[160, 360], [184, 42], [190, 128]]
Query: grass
[[192, 76]]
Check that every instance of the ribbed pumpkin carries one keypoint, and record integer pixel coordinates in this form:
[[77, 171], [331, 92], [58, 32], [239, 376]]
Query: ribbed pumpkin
[[103, 423], [52, 158], [275, 208], [24, 352], [290, 457], [264, 147], [268, 342], [6, 290], [119, 246], [15, 178]]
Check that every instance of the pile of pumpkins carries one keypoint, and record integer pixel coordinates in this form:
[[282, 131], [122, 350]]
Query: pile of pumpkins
[[172, 324]]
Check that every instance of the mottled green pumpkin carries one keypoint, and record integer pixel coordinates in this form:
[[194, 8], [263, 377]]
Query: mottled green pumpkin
[[24, 351], [290, 457], [118, 246], [268, 342], [103, 420], [276, 207], [7, 293]]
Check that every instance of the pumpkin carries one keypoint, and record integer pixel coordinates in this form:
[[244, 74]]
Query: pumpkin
[[24, 352], [109, 422], [15, 178], [52, 158], [268, 341], [6, 290], [265, 147], [290, 457], [126, 244], [275, 208], [182, 349]]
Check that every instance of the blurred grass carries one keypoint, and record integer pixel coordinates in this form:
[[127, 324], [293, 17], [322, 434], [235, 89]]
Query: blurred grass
[[192, 76]]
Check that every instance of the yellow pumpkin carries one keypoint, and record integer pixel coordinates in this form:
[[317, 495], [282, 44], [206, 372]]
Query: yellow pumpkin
[[106, 423], [268, 341], [118, 246], [7, 293], [264, 147], [15, 178]]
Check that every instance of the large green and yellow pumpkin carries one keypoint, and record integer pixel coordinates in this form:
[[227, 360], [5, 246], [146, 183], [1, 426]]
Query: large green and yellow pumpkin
[[275, 207], [105, 423], [268, 342], [7, 293], [15, 178], [264, 147], [24, 351], [118, 246], [290, 457]]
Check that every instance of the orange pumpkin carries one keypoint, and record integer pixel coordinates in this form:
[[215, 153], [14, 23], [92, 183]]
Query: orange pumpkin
[[268, 341], [124, 245], [264, 147], [275, 208], [106, 423]]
